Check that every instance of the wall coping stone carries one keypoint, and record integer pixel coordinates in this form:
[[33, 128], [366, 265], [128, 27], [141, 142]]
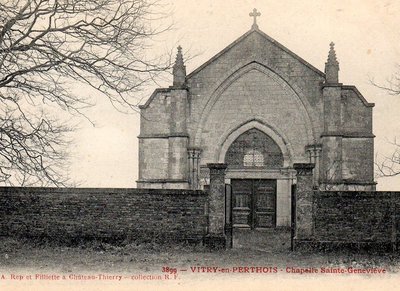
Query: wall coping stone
[[357, 194], [99, 191]]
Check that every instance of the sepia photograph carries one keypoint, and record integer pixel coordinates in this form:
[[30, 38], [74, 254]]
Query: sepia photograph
[[199, 145]]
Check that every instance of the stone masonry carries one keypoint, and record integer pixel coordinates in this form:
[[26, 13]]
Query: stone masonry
[[257, 83], [67, 215], [216, 207]]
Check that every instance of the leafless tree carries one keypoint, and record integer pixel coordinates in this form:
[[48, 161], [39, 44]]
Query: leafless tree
[[389, 166], [49, 50], [392, 85]]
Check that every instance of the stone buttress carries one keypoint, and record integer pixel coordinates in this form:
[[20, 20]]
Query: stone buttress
[[163, 140], [347, 139]]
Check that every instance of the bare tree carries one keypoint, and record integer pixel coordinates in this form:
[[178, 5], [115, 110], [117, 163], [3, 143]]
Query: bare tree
[[392, 85], [49, 50], [389, 166]]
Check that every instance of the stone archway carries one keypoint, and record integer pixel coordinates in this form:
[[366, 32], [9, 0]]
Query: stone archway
[[254, 149], [259, 172], [277, 137], [310, 118]]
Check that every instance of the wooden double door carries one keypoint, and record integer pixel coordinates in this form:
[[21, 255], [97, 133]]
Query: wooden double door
[[254, 203]]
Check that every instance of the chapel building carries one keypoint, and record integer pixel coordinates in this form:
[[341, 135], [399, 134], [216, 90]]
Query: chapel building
[[259, 108]]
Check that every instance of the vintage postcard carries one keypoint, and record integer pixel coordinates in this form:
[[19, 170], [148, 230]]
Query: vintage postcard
[[199, 145]]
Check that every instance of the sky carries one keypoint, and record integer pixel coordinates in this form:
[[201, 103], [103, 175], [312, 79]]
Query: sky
[[367, 42]]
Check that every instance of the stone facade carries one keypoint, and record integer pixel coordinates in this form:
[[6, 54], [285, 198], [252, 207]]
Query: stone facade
[[257, 83]]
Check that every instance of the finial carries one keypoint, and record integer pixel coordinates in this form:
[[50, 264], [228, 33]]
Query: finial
[[254, 14], [332, 55], [179, 70], [332, 66], [179, 56]]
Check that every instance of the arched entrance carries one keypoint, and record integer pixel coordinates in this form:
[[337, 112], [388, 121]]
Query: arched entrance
[[254, 200]]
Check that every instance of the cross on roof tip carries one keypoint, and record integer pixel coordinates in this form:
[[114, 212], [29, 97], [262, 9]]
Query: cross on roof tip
[[254, 14]]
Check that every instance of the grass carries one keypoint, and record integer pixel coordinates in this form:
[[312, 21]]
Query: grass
[[250, 250]]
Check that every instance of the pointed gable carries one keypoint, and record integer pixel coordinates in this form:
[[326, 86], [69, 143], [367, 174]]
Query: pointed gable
[[253, 84], [255, 45]]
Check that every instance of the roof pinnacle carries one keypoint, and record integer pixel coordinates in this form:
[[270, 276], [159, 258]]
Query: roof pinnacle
[[179, 70], [332, 60], [332, 66]]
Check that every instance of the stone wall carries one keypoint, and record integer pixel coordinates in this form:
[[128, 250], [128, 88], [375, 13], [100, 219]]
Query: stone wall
[[153, 158], [357, 161], [352, 218], [68, 214], [356, 112], [356, 217]]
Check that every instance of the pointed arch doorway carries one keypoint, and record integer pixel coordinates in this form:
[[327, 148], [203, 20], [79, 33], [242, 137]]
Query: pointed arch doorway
[[251, 159]]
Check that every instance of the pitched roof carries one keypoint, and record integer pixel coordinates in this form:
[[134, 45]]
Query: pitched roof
[[256, 30]]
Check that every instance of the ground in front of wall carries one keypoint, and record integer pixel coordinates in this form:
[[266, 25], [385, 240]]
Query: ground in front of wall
[[252, 248]]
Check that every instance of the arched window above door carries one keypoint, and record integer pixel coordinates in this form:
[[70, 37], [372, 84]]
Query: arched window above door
[[254, 149], [253, 158]]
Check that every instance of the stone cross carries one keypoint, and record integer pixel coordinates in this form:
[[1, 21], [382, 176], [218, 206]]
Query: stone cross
[[255, 14]]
